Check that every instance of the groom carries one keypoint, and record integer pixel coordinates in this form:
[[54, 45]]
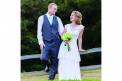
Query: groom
[[49, 30]]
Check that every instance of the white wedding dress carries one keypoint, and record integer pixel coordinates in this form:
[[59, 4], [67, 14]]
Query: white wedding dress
[[69, 67]]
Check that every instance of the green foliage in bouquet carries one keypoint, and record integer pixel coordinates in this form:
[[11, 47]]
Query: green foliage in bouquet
[[66, 37]]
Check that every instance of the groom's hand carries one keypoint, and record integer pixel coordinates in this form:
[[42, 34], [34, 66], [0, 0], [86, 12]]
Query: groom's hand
[[42, 45]]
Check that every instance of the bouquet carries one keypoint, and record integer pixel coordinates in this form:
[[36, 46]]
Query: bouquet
[[66, 37]]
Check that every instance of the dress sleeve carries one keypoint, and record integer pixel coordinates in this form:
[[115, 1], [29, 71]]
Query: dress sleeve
[[82, 27], [66, 26]]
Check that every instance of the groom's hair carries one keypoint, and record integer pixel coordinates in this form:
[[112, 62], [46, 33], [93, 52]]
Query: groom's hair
[[51, 4]]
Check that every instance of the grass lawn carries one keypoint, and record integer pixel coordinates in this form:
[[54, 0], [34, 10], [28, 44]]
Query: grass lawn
[[87, 75]]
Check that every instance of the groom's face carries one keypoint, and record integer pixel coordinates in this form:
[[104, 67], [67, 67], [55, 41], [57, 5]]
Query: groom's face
[[53, 9]]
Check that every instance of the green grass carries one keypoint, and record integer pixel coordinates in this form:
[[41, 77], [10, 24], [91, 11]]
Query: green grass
[[91, 79], [87, 75], [74, 80]]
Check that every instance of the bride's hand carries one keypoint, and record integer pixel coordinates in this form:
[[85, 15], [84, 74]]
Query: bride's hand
[[67, 42], [82, 50]]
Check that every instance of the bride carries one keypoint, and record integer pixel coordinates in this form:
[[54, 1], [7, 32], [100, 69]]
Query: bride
[[69, 61]]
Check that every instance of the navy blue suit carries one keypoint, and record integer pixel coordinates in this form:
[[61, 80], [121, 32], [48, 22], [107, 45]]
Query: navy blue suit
[[52, 43]]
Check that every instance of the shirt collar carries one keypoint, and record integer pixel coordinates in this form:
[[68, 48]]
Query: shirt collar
[[49, 15]]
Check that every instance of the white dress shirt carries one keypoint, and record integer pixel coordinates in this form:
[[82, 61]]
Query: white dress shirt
[[39, 28], [50, 18]]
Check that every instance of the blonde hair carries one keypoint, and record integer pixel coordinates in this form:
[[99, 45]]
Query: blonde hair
[[79, 16], [51, 4]]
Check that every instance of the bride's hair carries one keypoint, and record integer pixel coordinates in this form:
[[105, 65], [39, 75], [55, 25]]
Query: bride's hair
[[79, 16]]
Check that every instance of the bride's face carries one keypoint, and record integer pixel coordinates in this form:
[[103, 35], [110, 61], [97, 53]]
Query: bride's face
[[73, 18]]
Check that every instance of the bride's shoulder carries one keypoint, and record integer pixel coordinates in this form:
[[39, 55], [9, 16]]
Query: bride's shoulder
[[66, 25], [81, 26]]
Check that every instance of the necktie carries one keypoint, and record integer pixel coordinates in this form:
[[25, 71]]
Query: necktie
[[50, 19]]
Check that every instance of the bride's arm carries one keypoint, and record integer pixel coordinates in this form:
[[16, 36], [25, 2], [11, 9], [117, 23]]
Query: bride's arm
[[80, 40]]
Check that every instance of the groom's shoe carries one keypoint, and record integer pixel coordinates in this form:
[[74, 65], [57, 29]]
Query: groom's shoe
[[47, 69]]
